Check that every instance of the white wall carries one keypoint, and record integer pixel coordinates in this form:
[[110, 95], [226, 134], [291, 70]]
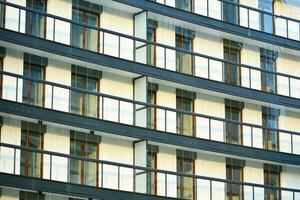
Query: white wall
[[166, 96], [58, 72], [10, 134], [211, 166], [12, 16], [121, 151], [213, 106], [252, 114], [56, 139], [120, 86], [124, 25], [62, 8], [250, 55], [167, 160], [165, 34], [254, 173], [13, 62]]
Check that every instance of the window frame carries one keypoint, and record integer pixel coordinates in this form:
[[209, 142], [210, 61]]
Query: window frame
[[266, 132], [240, 113], [181, 127], [231, 167], [228, 67]]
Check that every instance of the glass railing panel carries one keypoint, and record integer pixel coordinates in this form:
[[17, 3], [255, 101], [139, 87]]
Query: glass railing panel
[[126, 48], [217, 130], [33, 93], [296, 144], [258, 193], [126, 180], [31, 164], [280, 27], [293, 30], [216, 70], [254, 19], [201, 67], [283, 85], [202, 128], [171, 121], [161, 120], [110, 176], [218, 189], [110, 109], [110, 44], [126, 113], [295, 88]]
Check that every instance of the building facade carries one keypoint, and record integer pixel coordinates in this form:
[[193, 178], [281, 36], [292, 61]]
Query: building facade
[[165, 99]]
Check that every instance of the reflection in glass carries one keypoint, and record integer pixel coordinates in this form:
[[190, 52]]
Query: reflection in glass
[[231, 12], [35, 23], [234, 172], [184, 5], [233, 111], [185, 185], [31, 162], [2, 15], [266, 21], [83, 172], [33, 92], [184, 122], [151, 176], [151, 111], [272, 178], [151, 36], [84, 37], [81, 102], [184, 61], [232, 53], [270, 120], [268, 62]]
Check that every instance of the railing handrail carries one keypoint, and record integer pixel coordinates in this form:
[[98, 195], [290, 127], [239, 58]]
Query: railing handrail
[[135, 167], [261, 11], [52, 84], [149, 42]]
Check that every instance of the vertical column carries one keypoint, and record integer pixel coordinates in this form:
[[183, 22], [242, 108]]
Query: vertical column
[[140, 31], [140, 159], [140, 94]]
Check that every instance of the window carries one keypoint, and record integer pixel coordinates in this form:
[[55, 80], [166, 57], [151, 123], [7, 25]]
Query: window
[[186, 165], [232, 53], [268, 62], [233, 111], [186, 5], [1, 79], [152, 163], [31, 195], [36, 23], [81, 102], [89, 14], [34, 67], [266, 21], [32, 136], [272, 178], [151, 36], [231, 12], [2, 16], [234, 172], [185, 122], [84, 145], [151, 111], [184, 61], [270, 120]]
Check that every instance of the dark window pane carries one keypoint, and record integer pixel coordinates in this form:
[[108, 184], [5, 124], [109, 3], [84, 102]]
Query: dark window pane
[[35, 23], [270, 120], [31, 196], [185, 185], [231, 71], [151, 176], [231, 12], [233, 130], [234, 172], [151, 36], [184, 5], [266, 20], [272, 178], [184, 62], [185, 122], [151, 111], [268, 62]]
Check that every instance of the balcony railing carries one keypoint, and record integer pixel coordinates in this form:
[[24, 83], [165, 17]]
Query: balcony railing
[[131, 178], [245, 16], [135, 113], [135, 49]]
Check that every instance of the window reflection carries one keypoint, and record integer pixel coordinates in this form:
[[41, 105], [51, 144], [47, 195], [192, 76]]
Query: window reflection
[[152, 163], [35, 23], [272, 178], [266, 21], [232, 53], [31, 136], [151, 36], [186, 5], [184, 61], [151, 111], [268, 62], [185, 122], [2, 15], [89, 14], [234, 172], [233, 111], [81, 102], [231, 12], [270, 120], [84, 145]]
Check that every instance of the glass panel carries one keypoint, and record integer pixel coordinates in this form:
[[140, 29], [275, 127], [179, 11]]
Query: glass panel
[[91, 35], [151, 50], [83, 172], [151, 112], [35, 23], [233, 131], [2, 16], [184, 5], [231, 71], [268, 62], [272, 178], [77, 31], [231, 12], [270, 137], [184, 122], [31, 161], [33, 92], [266, 21], [183, 60], [185, 185], [151, 176]]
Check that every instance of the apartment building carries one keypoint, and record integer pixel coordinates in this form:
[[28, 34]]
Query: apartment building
[[165, 99]]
